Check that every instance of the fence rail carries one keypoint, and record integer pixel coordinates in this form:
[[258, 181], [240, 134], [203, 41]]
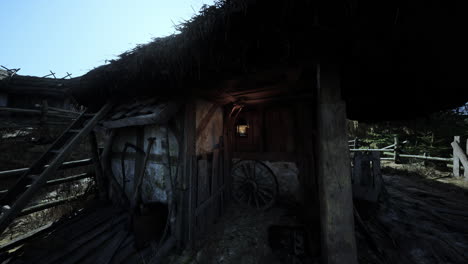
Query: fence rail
[[64, 166], [49, 204], [62, 180], [394, 150]]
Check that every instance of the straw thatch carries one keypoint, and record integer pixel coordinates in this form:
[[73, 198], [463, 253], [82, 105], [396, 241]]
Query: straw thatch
[[407, 56], [224, 41]]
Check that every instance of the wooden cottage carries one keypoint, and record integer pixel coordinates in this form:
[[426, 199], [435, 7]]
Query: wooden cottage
[[248, 105], [18, 91], [27, 101]]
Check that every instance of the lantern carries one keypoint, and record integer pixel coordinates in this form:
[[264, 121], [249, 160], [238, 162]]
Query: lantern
[[242, 127]]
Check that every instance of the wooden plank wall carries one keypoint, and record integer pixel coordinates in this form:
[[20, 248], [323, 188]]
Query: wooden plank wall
[[202, 200], [184, 212], [210, 190], [271, 129]]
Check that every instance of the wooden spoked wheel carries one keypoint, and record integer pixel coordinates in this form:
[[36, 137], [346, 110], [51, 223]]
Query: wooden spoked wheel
[[254, 184]]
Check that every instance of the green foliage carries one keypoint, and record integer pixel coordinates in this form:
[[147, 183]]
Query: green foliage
[[431, 134]]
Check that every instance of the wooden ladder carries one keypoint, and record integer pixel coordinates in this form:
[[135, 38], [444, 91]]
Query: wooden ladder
[[43, 168]]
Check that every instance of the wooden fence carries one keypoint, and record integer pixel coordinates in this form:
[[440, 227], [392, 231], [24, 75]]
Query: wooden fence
[[394, 153], [11, 174], [44, 116], [207, 192]]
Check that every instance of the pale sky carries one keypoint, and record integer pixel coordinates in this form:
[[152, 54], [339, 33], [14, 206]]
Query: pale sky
[[77, 35]]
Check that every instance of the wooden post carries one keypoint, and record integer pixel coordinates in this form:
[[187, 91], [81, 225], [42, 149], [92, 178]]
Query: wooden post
[[25, 198], [356, 145], [44, 129], [44, 110], [222, 177], [227, 154], [99, 175], [215, 184], [334, 173], [185, 214], [466, 149], [456, 159], [462, 158], [115, 191], [396, 150]]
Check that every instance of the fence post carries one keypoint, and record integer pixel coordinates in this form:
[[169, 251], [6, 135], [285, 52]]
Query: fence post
[[44, 129], [100, 182], [356, 143], [456, 160], [396, 149]]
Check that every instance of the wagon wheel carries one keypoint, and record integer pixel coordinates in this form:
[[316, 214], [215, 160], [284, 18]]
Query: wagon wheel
[[254, 184]]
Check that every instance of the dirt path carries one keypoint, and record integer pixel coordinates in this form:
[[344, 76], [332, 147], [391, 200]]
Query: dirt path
[[244, 236], [418, 220]]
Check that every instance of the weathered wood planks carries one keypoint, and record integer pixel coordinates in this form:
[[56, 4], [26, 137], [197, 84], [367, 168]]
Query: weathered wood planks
[[334, 179]]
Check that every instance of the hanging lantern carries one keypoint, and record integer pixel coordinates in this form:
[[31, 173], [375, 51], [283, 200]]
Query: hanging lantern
[[242, 127]]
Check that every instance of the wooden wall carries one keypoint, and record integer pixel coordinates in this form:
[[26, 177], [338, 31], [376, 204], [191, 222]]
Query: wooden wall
[[271, 129]]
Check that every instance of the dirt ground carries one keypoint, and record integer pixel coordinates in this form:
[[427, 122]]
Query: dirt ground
[[421, 217], [247, 236]]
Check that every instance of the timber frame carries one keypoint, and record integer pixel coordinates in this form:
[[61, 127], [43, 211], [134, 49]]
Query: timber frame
[[321, 59]]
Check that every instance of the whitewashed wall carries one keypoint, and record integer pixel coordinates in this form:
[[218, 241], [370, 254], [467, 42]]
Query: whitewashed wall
[[123, 136], [156, 185]]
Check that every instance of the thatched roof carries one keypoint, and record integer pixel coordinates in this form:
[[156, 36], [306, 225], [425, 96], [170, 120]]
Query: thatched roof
[[3, 74], [395, 57], [37, 86]]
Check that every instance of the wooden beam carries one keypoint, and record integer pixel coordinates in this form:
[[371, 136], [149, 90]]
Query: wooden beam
[[9, 214], [334, 179], [206, 119], [396, 150], [43, 206], [269, 156], [161, 115], [209, 201], [35, 112], [26, 237], [117, 194], [184, 226], [215, 183], [61, 180], [228, 140], [100, 181], [456, 159], [65, 165], [460, 154]]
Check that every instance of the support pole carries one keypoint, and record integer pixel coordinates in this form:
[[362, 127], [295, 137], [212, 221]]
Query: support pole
[[334, 172], [100, 180], [185, 227], [456, 159], [396, 151], [44, 129]]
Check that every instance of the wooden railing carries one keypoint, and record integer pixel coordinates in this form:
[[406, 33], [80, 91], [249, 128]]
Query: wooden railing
[[394, 151], [11, 174], [65, 165], [459, 156], [43, 116]]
